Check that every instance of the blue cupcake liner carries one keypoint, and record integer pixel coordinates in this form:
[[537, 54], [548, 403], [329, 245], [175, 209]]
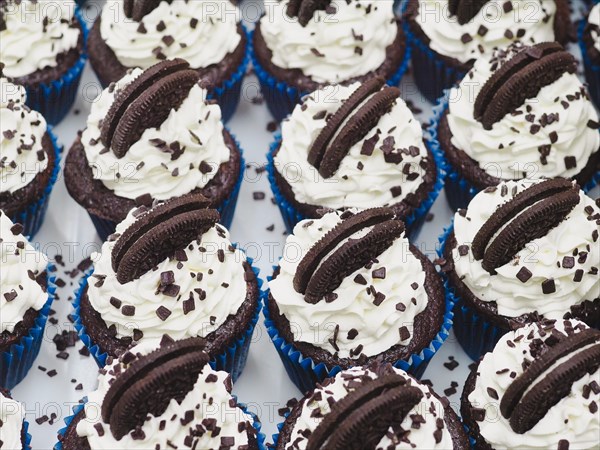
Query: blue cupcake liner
[[105, 227], [592, 72], [54, 99], [232, 360], [260, 437], [32, 217], [18, 360], [305, 374], [27, 436], [459, 191], [228, 94], [475, 334], [431, 74], [414, 222], [282, 98]]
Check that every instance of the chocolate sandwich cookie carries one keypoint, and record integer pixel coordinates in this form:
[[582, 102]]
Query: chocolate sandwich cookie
[[523, 251], [214, 42], [170, 264], [449, 36], [300, 46], [357, 274], [153, 136], [523, 113], [531, 379], [367, 151], [367, 408], [152, 395]]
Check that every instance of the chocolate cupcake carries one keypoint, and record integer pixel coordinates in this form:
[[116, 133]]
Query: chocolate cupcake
[[349, 289], [166, 397], [25, 298], [538, 389], [448, 36], [153, 136], [369, 408], [43, 49], [13, 428], [589, 41], [521, 114], [30, 159], [141, 33], [171, 269], [355, 146], [521, 251], [301, 45]]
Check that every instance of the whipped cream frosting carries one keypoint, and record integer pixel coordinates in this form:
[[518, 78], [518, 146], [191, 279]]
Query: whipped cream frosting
[[362, 180], [22, 156], [11, 423], [203, 293], [547, 258], [36, 33], [594, 19], [201, 32], [347, 41], [571, 419], [553, 134], [21, 264], [182, 154], [210, 401], [495, 26], [422, 436], [361, 327]]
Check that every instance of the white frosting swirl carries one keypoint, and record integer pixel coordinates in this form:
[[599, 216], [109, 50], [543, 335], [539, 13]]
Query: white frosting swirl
[[556, 119], [208, 400], [530, 21], [594, 19], [576, 239], [217, 288], [22, 156], [331, 47], [201, 32], [36, 33], [11, 423], [362, 180], [163, 171], [570, 419], [422, 436], [21, 264], [376, 328]]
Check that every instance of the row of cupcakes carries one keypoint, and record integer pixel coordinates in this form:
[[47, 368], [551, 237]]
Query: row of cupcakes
[[296, 47]]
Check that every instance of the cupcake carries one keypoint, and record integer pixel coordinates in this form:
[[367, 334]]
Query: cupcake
[[448, 36], [369, 408], [166, 397], [25, 297], [538, 389], [208, 35], [153, 136], [505, 121], [13, 427], [355, 146], [521, 251], [29, 159], [43, 49], [171, 269], [350, 289], [589, 41], [299, 46]]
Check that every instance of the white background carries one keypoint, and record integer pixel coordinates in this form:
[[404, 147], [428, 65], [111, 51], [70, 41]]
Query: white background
[[264, 385]]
